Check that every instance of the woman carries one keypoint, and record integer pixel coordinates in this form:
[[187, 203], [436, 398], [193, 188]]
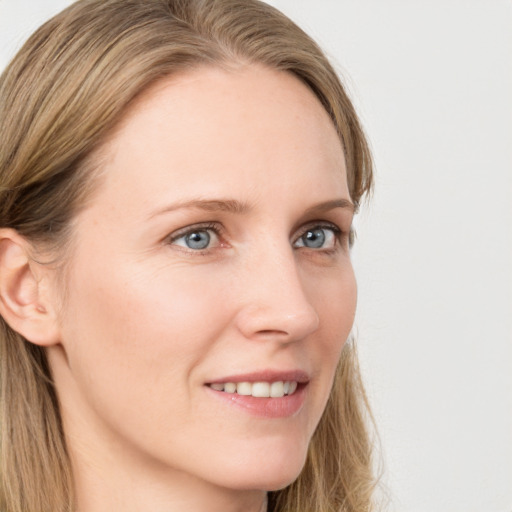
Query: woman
[[178, 181]]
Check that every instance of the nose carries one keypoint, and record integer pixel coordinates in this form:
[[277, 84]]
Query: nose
[[275, 304]]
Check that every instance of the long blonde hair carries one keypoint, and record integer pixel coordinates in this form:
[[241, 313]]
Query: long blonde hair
[[59, 98]]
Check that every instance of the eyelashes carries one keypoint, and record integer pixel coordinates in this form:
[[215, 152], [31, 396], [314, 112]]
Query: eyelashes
[[197, 238], [318, 236]]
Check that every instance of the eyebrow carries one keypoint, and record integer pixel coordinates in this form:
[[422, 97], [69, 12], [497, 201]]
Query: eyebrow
[[238, 207], [331, 205], [209, 205]]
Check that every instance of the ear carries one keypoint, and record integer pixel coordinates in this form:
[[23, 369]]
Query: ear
[[25, 303]]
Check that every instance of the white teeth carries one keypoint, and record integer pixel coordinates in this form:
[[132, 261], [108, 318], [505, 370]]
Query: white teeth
[[230, 387], [277, 389], [244, 388], [258, 389], [261, 389]]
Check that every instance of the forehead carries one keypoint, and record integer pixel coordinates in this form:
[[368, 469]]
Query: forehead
[[210, 127]]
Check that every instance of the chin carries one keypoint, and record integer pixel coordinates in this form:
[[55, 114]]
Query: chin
[[280, 481], [264, 481], [268, 471]]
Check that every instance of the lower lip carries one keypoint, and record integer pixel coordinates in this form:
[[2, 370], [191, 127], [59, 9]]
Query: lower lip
[[282, 407]]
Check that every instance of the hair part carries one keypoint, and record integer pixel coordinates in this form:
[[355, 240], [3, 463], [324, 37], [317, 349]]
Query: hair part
[[60, 98]]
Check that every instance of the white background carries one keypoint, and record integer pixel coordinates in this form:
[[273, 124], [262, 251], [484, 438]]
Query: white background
[[432, 80]]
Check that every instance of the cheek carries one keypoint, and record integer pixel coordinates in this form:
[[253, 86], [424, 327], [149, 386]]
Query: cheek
[[335, 300], [147, 311], [125, 330]]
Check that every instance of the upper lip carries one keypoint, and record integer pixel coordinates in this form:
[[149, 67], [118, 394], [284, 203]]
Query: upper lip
[[299, 376]]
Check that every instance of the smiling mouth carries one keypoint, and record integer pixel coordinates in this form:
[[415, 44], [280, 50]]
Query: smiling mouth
[[277, 389]]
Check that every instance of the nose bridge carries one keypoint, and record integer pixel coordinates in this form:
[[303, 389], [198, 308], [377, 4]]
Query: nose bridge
[[276, 303]]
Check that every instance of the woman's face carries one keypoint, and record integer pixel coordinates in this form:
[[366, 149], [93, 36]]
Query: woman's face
[[214, 255]]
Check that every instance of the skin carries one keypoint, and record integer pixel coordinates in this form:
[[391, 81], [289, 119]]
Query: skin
[[147, 321]]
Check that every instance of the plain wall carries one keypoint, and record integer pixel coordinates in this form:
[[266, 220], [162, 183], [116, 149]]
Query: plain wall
[[432, 81]]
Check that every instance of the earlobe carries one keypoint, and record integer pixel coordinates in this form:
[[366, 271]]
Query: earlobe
[[23, 305]]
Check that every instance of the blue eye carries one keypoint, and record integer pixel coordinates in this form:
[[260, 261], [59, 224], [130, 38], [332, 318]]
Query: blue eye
[[197, 239], [317, 238]]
